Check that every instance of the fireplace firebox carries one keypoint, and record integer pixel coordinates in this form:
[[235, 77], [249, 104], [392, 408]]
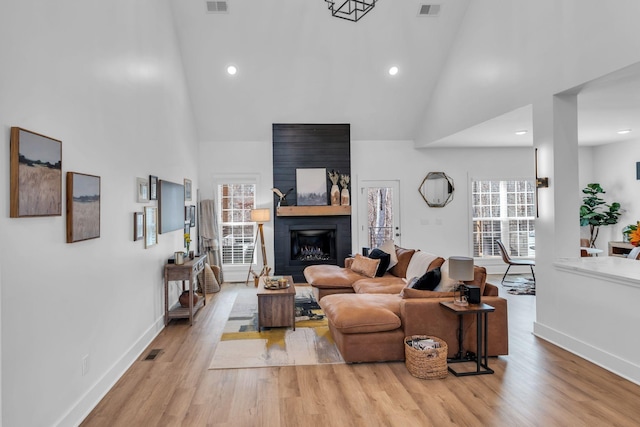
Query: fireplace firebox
[[311, 244]]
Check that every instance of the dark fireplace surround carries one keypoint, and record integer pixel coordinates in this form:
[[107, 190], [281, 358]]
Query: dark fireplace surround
[[300, 241]]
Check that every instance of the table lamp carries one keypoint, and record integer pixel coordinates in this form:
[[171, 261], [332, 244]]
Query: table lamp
[[460, 269]]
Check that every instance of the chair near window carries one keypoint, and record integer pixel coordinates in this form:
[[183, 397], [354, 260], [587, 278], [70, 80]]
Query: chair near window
[[510, 261]]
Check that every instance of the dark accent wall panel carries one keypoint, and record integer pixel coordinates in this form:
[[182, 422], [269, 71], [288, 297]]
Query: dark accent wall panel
[[308, 146]]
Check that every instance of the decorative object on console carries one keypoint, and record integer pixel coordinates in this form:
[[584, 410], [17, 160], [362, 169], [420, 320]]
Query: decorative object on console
[[344, 195], [334, 176], [311, 187], [437, 189], [260, 216], [282, 196], [184, 297], [83, 207], [460, 269], [179, 257], [187, 241], [351, 10], [595, 212], [36, 174]]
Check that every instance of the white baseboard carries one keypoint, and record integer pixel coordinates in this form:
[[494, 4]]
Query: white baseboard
[[92, 397], [606, 360]]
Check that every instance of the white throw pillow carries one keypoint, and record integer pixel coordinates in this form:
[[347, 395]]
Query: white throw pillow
[[419, 263], [447, 284], [390, 248]]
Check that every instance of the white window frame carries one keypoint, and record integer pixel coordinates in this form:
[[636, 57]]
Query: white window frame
[[238, 268], [504, 218]]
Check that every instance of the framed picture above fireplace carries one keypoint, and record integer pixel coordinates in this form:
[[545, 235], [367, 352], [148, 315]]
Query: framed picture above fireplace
[[311, 187]]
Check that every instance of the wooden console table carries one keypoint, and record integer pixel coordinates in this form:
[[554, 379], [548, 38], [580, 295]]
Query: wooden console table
[[187, 272]]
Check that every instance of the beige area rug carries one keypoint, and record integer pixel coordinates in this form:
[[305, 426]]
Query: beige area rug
[[243, 346]]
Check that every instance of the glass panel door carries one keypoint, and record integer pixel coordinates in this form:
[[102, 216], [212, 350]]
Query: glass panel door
[[379, 218]]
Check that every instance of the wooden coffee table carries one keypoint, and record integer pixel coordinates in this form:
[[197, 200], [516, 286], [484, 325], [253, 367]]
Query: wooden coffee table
[[276, 307]]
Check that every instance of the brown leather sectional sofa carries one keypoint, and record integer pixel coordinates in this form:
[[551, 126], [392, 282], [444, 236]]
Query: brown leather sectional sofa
[[369, 317]]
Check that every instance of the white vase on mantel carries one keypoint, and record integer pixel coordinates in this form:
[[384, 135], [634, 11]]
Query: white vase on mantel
[[344, 199], [335, 195]]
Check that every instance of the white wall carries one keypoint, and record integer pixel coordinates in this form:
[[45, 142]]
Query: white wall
[[240, 159], [106, 79], [614, 167]]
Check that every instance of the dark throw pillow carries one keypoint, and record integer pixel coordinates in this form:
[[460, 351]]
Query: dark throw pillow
[[428, 281], [384, 258]]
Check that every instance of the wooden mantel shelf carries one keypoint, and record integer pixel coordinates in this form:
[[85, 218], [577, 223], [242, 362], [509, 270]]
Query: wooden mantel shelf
[[313, 210]]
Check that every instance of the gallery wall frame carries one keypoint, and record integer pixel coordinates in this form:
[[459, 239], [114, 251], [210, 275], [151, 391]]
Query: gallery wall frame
[[138, 226], [35, 174], [150, 226], [187, 190], [83, 207], [142, 187], [193, 215], [153, 187]]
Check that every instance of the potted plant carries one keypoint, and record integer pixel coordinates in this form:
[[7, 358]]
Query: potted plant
[[595, 212]]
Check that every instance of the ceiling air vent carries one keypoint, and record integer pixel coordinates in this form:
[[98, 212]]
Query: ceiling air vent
[[429, 10], [217, 7]]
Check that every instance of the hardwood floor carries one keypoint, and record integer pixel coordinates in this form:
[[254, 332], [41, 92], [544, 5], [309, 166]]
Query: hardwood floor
[[538, 384]]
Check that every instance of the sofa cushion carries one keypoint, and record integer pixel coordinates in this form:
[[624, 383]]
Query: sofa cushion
[[408, 293], [387, 284], [404, 257], [365, 266], [384, 258], [362, 313], [427, 282], [330, 276], [390, 248], [447, 284], [419, 264]]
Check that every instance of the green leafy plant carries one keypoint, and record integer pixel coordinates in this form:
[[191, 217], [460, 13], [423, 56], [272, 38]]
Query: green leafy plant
[[595, 212]]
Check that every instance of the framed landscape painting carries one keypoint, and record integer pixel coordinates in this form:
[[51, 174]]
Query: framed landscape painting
[[83, 207], [311, 187], [36, 174]]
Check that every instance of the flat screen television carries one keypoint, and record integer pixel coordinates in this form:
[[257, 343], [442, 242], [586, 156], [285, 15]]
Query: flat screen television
[[171, 206]]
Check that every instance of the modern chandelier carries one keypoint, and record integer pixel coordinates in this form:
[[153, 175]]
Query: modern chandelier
[[351, 10]]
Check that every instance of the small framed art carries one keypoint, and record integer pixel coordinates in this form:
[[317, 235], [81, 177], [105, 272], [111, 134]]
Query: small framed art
[[187, 189], [193, 215], [150, 226], [35, 174], [187, 214], [153, 187], [138, 226], [83, 207], [311, 186], [142, 185]]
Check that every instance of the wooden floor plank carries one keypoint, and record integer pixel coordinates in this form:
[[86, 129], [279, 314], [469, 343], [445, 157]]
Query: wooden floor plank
[[537, 384]]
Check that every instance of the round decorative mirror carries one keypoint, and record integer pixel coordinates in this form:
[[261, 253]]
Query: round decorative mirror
[[437, 189]]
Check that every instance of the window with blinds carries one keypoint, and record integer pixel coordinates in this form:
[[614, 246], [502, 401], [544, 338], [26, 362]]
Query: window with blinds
[[238, 232], [503, 210]]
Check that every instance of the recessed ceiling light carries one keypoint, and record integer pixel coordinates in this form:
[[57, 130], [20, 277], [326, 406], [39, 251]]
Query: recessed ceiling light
[[393, 70], [522, 132], [231, 69], [624, 131]]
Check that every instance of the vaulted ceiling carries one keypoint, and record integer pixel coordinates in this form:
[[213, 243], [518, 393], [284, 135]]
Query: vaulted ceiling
[[298, 64]]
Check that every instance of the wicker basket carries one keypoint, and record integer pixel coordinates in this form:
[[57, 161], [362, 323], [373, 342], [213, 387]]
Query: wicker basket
[[426, 364]]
